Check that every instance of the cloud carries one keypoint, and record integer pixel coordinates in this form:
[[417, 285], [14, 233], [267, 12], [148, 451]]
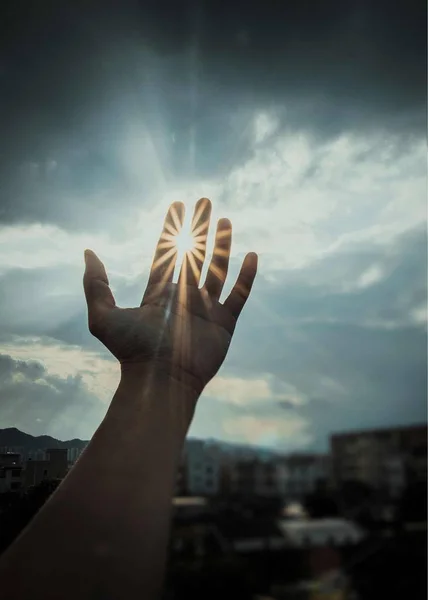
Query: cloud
[[252, 391], [123, 104], [285, 434], [38, 402], [357, 356]]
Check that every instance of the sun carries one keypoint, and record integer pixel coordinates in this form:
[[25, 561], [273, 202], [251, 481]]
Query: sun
[[184, 241], [181, 244]]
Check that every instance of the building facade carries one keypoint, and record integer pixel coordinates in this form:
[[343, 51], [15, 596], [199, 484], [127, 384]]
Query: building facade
[[54, 467], [201, 468], [385, 459]]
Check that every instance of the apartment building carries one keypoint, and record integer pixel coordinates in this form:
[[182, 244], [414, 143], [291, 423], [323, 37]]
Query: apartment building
[[387, 459]]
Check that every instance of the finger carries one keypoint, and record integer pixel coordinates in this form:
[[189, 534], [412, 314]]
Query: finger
[[242, 288], [219, 265], [95, 283], [194, 259], [166, 251]]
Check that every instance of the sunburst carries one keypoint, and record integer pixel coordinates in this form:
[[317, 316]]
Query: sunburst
[[182, 242]]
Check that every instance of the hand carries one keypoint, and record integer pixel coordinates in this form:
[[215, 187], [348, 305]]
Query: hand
[[179, 331]]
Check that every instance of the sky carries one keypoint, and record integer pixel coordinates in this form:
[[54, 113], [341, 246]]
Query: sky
[[304, 123]]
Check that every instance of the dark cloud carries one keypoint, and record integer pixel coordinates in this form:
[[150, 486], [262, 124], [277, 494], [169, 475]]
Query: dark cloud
[[88, 85], [39, 403], [359, 357]]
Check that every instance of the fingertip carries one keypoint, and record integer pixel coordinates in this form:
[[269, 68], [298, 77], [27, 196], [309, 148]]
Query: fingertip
[[206, 202], [224, 223], [175, 215], [179, 207], [87, 254], [253, 257]]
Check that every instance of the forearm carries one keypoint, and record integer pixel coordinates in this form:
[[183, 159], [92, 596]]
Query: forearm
[[113, 509]]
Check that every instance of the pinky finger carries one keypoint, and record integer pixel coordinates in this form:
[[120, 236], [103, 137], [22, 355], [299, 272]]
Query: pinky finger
[[241, 290]]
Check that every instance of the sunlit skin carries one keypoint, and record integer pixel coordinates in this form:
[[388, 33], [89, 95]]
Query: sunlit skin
[[180, 330]]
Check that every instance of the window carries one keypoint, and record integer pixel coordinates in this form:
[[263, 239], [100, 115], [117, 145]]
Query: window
[[45, 473], [15, 485], [16, 472]]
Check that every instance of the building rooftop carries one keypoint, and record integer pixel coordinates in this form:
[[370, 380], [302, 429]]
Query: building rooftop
[[382, 430], [320, 531]]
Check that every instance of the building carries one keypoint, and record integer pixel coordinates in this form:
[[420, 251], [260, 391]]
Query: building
[[201, 470], [54, 467], [385, 459], [9, 459], [13, 450], [38, 454], [336, 532], [288, 477], [10, 478], [300, 474], [252, 477], [73, 454]]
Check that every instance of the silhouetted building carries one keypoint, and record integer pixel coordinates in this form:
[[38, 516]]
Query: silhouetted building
[[55, 467], [8, 459], [10, 478], [387, 459], [300, 474]]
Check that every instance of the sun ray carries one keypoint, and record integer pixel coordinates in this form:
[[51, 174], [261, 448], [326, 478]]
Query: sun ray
[[167, 272], [221, 252], [196, 272], [199, 255], [196, 231], [219, 273], [168, 236], [164, 257], [164, 245], [199, 238], [198, 215], [183, 281], [176, 219], [223, 234], [170, 229]]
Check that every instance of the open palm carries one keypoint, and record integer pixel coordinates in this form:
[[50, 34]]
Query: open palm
[[179, 330]]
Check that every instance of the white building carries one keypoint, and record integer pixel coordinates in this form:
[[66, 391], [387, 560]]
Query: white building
[[202, 468], [320, 532]]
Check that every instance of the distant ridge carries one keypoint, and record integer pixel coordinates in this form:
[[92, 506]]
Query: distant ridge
[[13, 437]]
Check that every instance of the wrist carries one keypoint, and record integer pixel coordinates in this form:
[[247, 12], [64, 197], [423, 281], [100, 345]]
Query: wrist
[[145, 399], [161, 377]]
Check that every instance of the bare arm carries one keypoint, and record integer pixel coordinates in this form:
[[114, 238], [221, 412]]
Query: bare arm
[[103, 533]]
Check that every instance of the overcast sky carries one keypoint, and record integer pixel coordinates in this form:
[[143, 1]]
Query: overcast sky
[[304, 122]]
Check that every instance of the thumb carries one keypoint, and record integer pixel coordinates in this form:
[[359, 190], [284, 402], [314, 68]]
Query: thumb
[[96, 284]]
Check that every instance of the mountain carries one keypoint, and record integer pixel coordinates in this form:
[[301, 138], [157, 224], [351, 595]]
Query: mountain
[[14, 438]]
